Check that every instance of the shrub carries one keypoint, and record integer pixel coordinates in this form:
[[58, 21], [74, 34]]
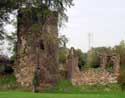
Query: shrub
[[35, 81], [8, 80]]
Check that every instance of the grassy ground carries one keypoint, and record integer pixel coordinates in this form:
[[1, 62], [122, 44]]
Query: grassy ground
[[59, 95], [63, 89]]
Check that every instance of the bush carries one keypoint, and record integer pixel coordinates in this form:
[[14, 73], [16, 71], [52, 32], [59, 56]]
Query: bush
[[8, 80], [35, 79], [35, 82]]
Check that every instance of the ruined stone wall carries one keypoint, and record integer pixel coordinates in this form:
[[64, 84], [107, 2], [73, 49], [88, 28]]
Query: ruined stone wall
[[72, 63], [105, 59], [92, 76], [37, 48]]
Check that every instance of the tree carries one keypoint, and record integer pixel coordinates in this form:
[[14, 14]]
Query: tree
[[63, 40], [63, 51], [92, 58], [81, 58], [8, 6], [122, 44], [12, 40], [120, 49]]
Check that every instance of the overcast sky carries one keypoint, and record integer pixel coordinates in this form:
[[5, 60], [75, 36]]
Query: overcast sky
[[104, 19]]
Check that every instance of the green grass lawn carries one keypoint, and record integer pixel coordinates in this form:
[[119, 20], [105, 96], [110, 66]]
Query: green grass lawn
[[10, 94], [63, 89]]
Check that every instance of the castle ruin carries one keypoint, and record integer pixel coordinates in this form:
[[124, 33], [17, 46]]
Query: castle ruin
[[114, 59], [37, 51], [37, 48], [91, 75]]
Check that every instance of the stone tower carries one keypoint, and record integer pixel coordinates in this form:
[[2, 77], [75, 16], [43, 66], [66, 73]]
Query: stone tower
[[72, 65], [37, 47]]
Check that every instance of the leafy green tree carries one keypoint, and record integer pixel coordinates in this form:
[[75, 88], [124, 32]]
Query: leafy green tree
[[8, 6], [63, 51], [92, 58], [120, 49], [12, 40], [107, 50], [81, 58]]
